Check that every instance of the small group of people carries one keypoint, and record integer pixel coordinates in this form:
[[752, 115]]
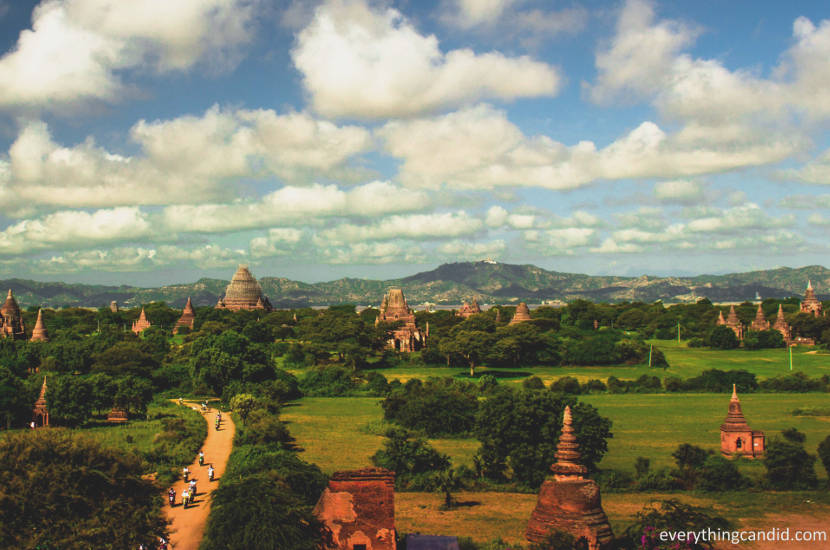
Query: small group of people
[[189, 491], [218, 420], [163, 545]]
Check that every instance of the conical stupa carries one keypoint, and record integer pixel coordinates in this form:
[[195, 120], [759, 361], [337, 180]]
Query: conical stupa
[[734, 322], [142, 323], [188, 317], [736, 437], [569, 502], [760, 322], [781, 325], [811, 304], [40, 415], [522, 314], [39, 333], [243, 292]]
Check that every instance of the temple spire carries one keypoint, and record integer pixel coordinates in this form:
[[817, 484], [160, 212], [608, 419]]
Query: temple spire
[[567, 455], [734, 392], [39, 333]]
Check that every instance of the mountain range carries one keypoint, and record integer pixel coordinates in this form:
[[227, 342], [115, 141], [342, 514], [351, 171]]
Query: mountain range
[[449, 284]]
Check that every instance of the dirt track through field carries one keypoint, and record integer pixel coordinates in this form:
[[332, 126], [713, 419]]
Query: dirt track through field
[[188, 526]]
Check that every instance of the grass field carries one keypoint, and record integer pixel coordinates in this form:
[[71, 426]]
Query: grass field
[[684, 362], [332, 430]]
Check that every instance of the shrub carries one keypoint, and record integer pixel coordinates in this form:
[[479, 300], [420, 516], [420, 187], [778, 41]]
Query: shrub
[[533, 383], [789, 466], [328, 382], [437, 407], [410, 457], [720, 474], [566, 384], [722, 337], [824, 453]]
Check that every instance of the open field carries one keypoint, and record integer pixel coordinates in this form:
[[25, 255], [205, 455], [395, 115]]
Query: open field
[[684, 362], [332, 430]]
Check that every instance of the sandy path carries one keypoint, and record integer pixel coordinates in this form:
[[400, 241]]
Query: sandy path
[[188, 526]]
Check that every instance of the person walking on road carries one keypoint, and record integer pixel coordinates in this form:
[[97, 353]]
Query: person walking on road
[[201, 458], [185, 473], [210, 472]]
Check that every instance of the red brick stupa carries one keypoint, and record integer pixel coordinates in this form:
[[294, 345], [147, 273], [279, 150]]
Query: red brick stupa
[[468, 310], [141, 324], [736, 437], [732, 321], [760, 323], [40, 414], [522, 314], [394, 309], [244, 292], [358, 507], [11, 321], [187, 319], [39, 333], [810, 304], [781, 325], [569, 502]]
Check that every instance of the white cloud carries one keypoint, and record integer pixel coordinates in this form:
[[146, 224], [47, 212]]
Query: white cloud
[[77, 49], [357, 62], [182, 160], [817, 171], [681, 191], [563, 241], [610, 246], [412, 226], [139, 258], [374, 253], [468, 250], [479, 148]]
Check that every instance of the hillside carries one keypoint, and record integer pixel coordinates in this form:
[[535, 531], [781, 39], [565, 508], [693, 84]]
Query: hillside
[[450, 284]]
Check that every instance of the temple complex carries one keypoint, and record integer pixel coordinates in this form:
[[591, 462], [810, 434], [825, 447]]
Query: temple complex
[[243, 292], [522, 314], [468, 310], [11, 321], [732, 321], [358, 507], [569, 502], [187, 319], [736, 437], [141, 324], [394, 308], [781, 325], [760, 322], [39, 333], [40, 414], [810, 304]]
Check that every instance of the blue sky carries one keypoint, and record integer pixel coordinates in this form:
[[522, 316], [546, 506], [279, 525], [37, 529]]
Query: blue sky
[[151, 141]]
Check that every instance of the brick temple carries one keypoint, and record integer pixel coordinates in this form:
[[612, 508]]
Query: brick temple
[[810, 304], [781, 325], [732, 321], [141, 324], [407, 337], [569, 502], [468, 310], [358, 507], [243, 292], [40, 414], [522, 314], [736, 437], [39, 333], [187, 319], [11, 320], [760, 322]]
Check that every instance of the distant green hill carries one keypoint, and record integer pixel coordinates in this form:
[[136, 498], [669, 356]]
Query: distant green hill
[[452, 283]]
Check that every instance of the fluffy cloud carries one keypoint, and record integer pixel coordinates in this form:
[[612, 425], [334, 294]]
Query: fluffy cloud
[[560, 241], [374, 253], [817, 171], [412, 226], [182, 160], [357, 62], [468, 250], [139, 258], [478, 147], [77, 49], [682, 191]]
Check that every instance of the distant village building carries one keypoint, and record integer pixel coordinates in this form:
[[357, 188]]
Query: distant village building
[[187, 319], [141, 324], [394, 308], [114, 306], [760, 322], [569, 502], [40, 414], [11, 320], [732, 321], [736, 437], [781, 325], [522, 314], [468, 310], [39, 333], [117, 416], [243, 292], [358, 507], [810, 304]]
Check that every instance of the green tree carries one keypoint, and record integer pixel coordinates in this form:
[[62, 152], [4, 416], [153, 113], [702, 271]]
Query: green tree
[[824, 454], [63, 490], [789, 466], [409, 456], [722, 337], [672, 516], [70, 399], [720, 474]]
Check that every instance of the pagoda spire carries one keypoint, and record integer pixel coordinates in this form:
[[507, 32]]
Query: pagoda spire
[[567, 455], [39, 333]]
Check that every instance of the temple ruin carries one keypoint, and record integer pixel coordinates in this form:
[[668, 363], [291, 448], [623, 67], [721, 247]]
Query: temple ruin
[[522, 314], [569, 502], [358, 507], [40, 414], [732, 321], [394, 309], [810, 304], [141, 324], [468, 310], [243, 292], [736, 437], [760, 322], [39, 333], [781, 325], [11, 320], [187, 319]]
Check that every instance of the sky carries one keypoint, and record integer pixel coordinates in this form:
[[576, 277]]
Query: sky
[[153, 142]]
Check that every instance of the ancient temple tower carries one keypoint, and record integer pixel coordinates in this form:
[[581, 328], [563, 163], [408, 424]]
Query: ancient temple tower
[[569, 502], [11, 321], [781, 325], [522, 314], [736, 437], [760, 322], [358, 507], [141, 324], [467, 310], [40, 415], [810, 304], [114, 306], [39, 333], [394, 308], [244, 292], [732, 321], [187, 319]]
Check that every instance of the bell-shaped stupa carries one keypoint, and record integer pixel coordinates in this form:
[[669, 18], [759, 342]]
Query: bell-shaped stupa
[[522, 314], [244, 292]]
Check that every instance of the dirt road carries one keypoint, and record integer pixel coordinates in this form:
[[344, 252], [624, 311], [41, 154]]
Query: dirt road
[[188, 526]]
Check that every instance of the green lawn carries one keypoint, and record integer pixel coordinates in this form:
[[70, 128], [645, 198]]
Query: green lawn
[[684, 362], [332, 430]]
